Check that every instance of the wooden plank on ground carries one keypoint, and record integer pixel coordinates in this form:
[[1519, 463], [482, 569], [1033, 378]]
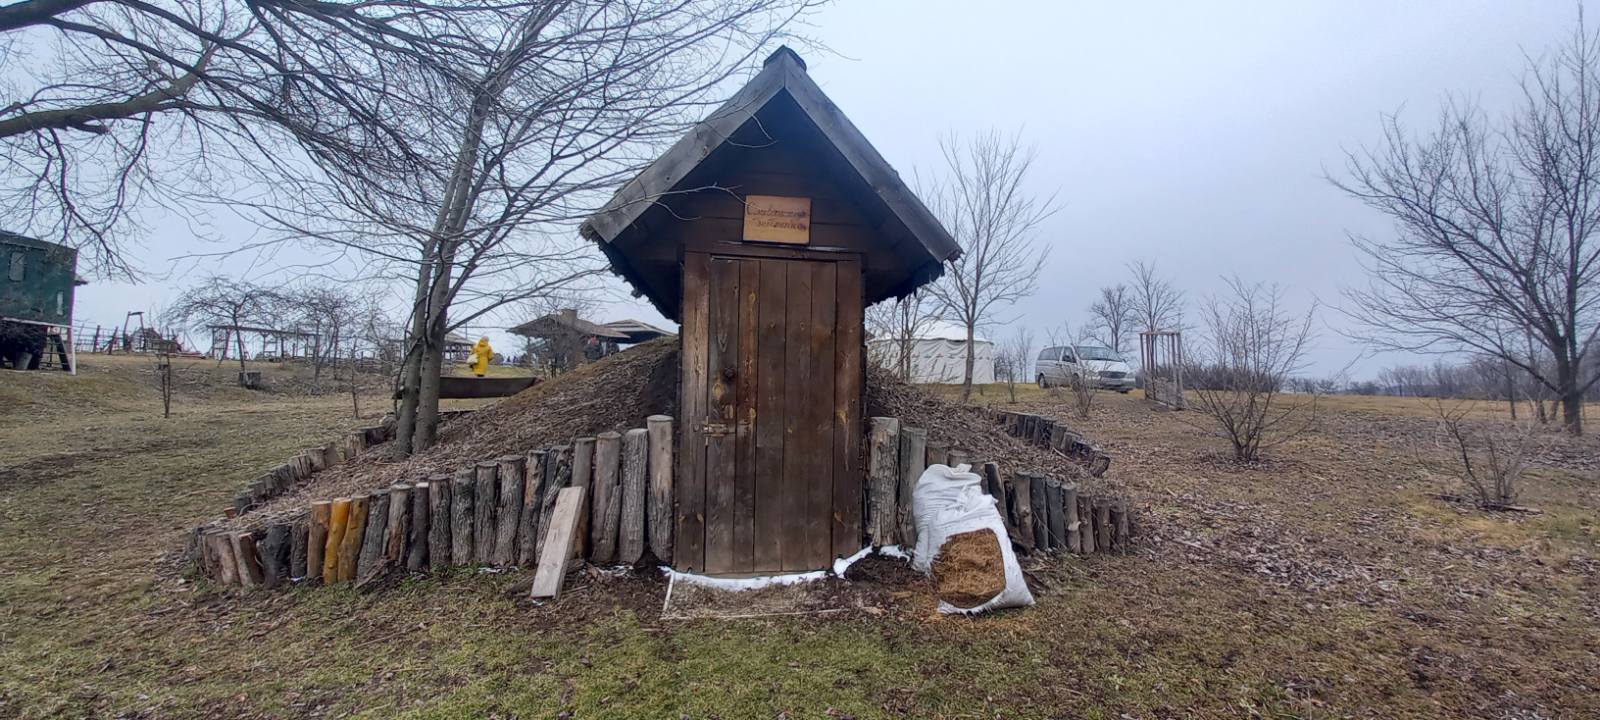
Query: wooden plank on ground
[[561, 532]]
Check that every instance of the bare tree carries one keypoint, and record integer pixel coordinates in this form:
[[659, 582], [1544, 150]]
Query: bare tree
[[1153, 301], [1014, 358], [1489, 458], [119, 102], [983, 200], [1113, 316], [221, 301], [1237, 374], [899, 323], [1081, 384], [1495, 225], [527, 128]]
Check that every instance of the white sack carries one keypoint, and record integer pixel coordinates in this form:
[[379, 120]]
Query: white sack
[[950, 501]]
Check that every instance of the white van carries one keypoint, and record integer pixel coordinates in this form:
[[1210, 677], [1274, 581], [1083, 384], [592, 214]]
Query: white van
[[1071, 364]]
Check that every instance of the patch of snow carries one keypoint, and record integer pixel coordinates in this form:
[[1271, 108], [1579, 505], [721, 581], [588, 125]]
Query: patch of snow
[[742, 584], [894, 551]]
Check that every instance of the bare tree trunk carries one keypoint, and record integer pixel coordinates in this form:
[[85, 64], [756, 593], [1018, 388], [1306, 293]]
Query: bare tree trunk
[[1511, 389], [1572, 408], [966, 382], [238, 338], [411, 361]]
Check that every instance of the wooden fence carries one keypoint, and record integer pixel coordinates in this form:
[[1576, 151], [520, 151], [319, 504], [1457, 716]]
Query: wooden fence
[[281, 478], [1047, 432], [495, 513], [1041, 513]]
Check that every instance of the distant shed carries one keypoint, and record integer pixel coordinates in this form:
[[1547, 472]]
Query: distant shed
[[765, 232]]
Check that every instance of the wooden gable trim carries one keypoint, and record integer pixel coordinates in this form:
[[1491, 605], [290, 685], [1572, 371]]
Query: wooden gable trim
[[784, 71]]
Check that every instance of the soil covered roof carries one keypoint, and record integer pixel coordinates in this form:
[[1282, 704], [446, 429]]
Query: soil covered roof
[[619, 392]]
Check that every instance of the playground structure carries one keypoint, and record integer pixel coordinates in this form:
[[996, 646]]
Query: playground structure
[[1161, 362]]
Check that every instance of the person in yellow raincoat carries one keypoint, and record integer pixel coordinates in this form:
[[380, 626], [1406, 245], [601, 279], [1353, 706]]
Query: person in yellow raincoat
[[481, 353]]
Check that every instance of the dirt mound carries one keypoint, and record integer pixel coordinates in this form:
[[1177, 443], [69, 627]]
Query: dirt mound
[[615, 393], [970, 569], [961, 427]]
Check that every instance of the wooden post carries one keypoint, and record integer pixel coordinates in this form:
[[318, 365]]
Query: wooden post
[[355, 443], [317, 458], [1022, 489], [249, 566], [510, 469], [1058, 517], [331, 456], [635, 468], [937, 454], [440, 555], [354, 533], [957, 458], [1102, 524], [222, 549], [557, 473], [1069, 504], [274, 556], [583, 477], [912, 461], [607, 451], [463, 511], [317, 540], [483, 530], [338, 520], [1085, 524], [421, 525], [398, 536], [997, 490], [298, 549], [535, 471], [370, 561], [561, 532], [1041, 512], [659, 512], [883, 479], [1119, 526]]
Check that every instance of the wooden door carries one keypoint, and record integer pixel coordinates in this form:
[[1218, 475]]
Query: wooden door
[[771, 406]]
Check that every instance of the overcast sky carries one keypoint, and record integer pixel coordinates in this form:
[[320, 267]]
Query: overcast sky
[[1195, 135]]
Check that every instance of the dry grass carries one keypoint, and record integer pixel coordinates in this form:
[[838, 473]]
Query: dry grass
[[1326, 582]]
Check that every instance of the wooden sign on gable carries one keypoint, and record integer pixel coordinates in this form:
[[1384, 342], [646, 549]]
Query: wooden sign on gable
[[775, 219]]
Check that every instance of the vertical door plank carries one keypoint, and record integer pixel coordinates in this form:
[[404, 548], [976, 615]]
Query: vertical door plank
[[721, 402], [847, 496], [771, 344], [689, 552], [820, 413], [799, 396], [744, 494]]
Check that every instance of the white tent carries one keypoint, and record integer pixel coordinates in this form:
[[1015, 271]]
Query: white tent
[[938, 355]]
